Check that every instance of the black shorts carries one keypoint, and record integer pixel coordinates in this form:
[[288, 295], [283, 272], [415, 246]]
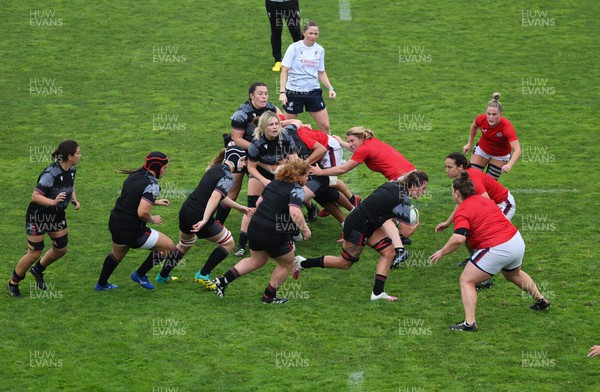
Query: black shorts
[[39, 222], [189, 216], [298, 100], [319, 185], [357, 230], [267, 240], [133, 238]]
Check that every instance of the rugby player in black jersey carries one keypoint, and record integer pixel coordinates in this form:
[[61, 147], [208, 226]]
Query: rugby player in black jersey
[[128, 221], [196, 215], [270, 147], [364, 226], [276, 219], [242, 133], [54, 191]]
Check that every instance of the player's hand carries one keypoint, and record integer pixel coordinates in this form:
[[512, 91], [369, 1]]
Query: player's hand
[[506, 168], [76, 204], [594, 351], [437, 256], [316, 170], [332, 94], [441, 227], [467, 149], [60, 198], [306, 233], [247, 211], [198, 226], [157, 219], [162, 202]]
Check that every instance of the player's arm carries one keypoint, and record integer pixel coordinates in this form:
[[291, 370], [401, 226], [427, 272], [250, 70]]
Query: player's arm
[[74, 200], [458, 238], [237, 135], [317, 153], [516, 154], [298, 219], [253, 170], [38, 198], [444, 225], [229, 203], [407, 230], [472, 133], [336, 170], [343, 143], [144, 214]]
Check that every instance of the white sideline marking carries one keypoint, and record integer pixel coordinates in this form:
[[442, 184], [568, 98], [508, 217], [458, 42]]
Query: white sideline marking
[[355, 381], [345, 12], [539, 190]]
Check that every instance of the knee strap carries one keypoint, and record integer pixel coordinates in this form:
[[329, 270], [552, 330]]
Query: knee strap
[[61, 242], [381, 245], [225, 237], [346, 256], [252, 201], [187, 243], [36, 245]]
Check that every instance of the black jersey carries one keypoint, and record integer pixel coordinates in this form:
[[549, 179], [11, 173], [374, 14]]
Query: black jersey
[[273, 212], [53, 181], [303, 151], [217, 178], [390, 200], [271, 152], [243, 116], [139, 185]]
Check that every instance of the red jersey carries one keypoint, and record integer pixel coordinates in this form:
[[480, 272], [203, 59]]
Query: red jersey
[[485, 183], [495, 141], [486, 224], [312, 136], [382, 158]]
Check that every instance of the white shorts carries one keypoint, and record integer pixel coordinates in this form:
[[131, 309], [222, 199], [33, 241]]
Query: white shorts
[[480, 152], [333, 156], [151, 241], [508, 206], [507, 256]]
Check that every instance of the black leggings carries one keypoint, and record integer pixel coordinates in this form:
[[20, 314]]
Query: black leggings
[[277, 12]]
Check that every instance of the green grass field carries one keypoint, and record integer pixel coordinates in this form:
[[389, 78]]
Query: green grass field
[[125, 78]]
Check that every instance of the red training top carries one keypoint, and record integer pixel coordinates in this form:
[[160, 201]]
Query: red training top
[[495, 141], [486, 224], [312, 136], [382, 158], [485, 183]]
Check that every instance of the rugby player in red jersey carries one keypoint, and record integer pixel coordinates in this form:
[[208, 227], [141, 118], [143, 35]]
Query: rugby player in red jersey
[[498, 247], [498, 147]]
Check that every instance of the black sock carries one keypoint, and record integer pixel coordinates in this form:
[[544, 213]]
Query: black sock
[[352, 200], [154, 258], [110, 264], [270, 292], [379, 283], [313, 262], [39, 267], [243, 239], [222, 214], [214, 259], [173, 258], [229, 276]]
